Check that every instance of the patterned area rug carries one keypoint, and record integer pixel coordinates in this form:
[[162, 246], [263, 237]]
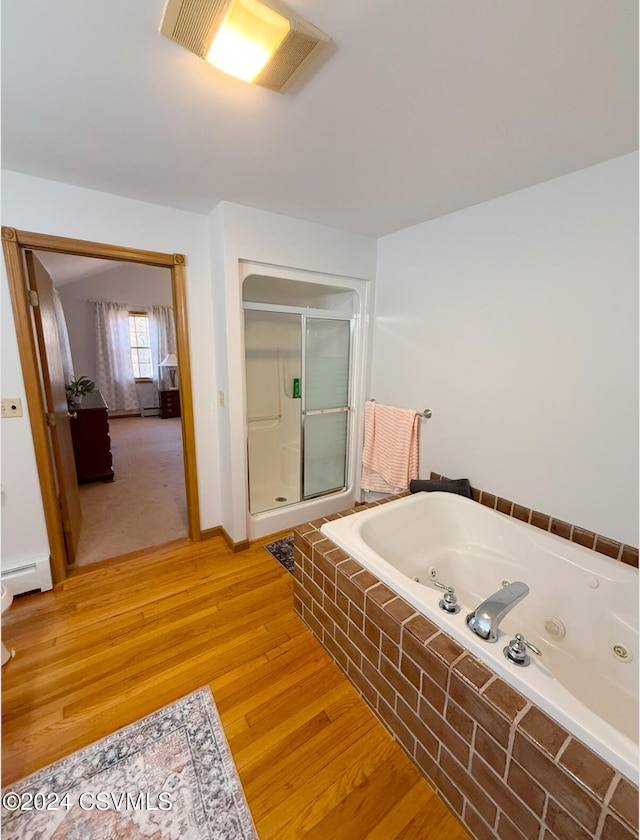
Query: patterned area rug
[[282, 550], [169, 776]]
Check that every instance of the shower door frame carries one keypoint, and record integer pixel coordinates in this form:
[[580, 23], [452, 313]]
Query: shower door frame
[[322, 314]]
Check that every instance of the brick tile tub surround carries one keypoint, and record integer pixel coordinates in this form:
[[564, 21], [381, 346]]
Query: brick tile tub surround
[[501, 765]]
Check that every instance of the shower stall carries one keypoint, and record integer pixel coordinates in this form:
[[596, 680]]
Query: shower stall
[[300, 346]]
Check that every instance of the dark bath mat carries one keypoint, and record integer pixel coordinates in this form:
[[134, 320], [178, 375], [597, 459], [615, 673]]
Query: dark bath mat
[[282, 550]]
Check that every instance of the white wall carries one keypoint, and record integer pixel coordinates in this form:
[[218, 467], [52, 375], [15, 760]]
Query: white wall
[[257, 236], [516, 321], [49, 207]]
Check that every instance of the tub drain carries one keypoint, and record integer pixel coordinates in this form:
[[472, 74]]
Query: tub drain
[[622, 653]]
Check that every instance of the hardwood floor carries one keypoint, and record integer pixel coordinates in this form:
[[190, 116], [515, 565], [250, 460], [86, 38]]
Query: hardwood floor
[[121, 640]]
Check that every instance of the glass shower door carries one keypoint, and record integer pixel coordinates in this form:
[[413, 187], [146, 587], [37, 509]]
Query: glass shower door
[[327, 344]]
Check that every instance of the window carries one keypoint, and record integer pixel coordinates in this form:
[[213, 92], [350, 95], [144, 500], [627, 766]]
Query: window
[[140, 340]]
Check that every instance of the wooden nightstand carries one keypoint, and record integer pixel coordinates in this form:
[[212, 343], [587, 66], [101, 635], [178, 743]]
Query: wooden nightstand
[[169, 403], [91, 441]]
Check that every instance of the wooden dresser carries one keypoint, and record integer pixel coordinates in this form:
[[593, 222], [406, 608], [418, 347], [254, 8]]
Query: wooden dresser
[[91, 441], [169, 403]]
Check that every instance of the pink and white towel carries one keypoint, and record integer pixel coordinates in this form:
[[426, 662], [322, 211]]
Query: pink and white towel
[[390, 452]]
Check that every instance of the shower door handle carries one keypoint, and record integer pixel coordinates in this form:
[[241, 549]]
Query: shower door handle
[[326, 410]]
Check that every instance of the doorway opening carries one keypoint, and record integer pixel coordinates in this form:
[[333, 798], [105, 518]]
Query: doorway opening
[[46, 410]]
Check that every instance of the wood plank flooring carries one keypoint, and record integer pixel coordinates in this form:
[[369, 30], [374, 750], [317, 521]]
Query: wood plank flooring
[[124, 638]]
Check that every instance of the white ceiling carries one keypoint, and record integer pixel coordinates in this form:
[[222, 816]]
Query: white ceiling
[[424, 106]]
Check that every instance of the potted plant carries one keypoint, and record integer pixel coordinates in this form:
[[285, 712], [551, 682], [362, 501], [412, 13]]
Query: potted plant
[[77, 388]]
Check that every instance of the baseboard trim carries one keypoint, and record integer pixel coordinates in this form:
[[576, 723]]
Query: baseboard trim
[[210, 533], [243, 545], [219, 531]]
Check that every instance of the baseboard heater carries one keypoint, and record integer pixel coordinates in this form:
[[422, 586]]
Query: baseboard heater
[[151, 411], [28, 577]]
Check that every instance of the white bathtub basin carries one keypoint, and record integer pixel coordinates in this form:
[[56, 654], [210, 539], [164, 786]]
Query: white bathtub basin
[[581, 611]]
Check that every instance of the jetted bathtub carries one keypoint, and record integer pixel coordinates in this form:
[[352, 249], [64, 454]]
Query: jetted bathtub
[[581, 610]]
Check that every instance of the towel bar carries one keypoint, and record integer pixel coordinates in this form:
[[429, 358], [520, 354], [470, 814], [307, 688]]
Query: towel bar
[[427, 413]]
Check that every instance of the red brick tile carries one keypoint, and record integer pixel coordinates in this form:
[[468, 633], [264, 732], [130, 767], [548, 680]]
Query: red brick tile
[[445, 648], [363, 685], [583, 537], [562, 825], [318, 541], [411, 720], [540, 520], [629, 555], [614, 830], [460, 721], [507, 831], [329, 590], [382, 619], [348, 647], [398, 728], [507, 801], [581, 805], [356, 616], [399, 682], [562, 529], [303, 595], [504, 698], [338, 654], [433, 693], [472, 671], [543, 731], [324, 619], [490, 751], [487, 499], [411, 671], [399, 609], [335, 556], [381, 594], [364, 579], [313, 624], [526, 788], [336, 615], [369, 650], [352, 592], [468, 787], [378, 682], [587, 768], [477, 708], [504, 506], [609, 547], [390, 649], [521, 512], [477, 826], [371, 632], [420, 628], [625, 802], [350, 567], [326, 566]]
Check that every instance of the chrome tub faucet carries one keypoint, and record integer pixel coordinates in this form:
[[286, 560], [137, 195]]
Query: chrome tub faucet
[[485, 619]]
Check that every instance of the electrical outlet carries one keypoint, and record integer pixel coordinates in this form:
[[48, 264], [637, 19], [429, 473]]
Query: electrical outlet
[[12, 407]]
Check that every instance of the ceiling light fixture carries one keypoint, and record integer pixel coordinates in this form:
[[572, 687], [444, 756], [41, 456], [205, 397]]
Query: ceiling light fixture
[[253, 41]]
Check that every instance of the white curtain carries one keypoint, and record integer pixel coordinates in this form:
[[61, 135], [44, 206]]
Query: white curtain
[[63, 335], [114, 368], [163, 336]]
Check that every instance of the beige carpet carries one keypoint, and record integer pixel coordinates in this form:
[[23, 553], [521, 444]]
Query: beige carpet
[[146, 503]]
